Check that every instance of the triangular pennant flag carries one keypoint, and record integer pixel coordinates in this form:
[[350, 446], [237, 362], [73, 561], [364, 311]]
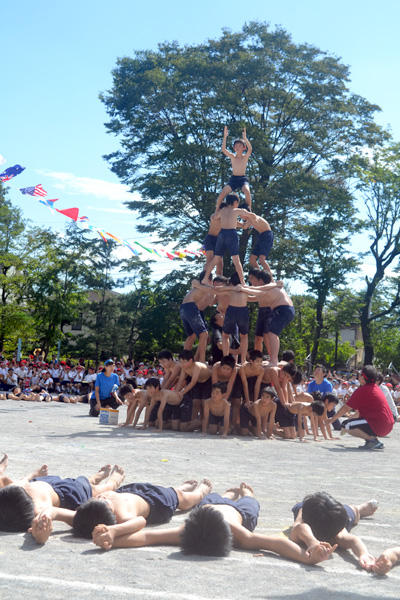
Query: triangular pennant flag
[[72, 213], [49, 204]]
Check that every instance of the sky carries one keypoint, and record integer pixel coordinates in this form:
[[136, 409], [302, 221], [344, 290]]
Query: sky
[[58, 56]]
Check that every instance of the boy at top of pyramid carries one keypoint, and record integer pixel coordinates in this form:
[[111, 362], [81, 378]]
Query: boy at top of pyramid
[[239, 159]]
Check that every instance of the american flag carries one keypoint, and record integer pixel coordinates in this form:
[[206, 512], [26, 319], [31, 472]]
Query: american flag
[[34, 191], [11, 172], [83, 219]]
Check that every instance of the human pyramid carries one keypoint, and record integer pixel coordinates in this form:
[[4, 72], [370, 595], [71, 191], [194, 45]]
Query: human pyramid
[[195, 395], [113, 515]]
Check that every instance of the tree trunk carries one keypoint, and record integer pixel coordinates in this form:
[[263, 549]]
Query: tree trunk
[[318, 330]]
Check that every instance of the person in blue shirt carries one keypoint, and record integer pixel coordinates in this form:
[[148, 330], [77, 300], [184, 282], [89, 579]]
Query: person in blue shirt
[[319, 383], [105, 390]]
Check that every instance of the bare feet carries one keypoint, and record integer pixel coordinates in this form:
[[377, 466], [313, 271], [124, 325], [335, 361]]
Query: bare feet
[[189, 485], [102, 474], [3, 464], [232, 493], [205, 487], [246, 489], [368, 508], [117, 475], [42, 471]]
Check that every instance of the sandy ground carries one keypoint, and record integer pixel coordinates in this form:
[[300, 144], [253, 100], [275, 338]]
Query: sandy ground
[[281, 472]]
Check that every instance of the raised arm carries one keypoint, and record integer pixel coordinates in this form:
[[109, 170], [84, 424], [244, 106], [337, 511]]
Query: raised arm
[[224, 149], [249, 146]]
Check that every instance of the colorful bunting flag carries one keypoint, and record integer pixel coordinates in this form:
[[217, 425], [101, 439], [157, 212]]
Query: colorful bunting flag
[[34, 191], [72, 213], [82, 219], [11, 172], [49, 204]]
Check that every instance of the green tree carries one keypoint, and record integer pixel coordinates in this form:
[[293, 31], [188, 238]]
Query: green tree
[[169, 107], [379, 185]]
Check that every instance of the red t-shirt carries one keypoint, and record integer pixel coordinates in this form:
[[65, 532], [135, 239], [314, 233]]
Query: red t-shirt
[[372, 405]]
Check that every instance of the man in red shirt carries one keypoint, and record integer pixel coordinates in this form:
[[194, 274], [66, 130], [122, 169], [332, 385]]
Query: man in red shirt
[[374, 415]]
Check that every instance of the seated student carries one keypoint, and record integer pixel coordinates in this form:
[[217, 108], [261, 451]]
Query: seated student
[[135, 505], [169, 407], [226, 371], [11, 380], [301, 409], [386, 561], [218, 523], [319, 383], [217, 411], [137, 399], [275, 311], [105, 390], [191, 313], [199, 376], [31, 504], [172, 369], [375, 417], [251, 374], [321, 518], [260, 415]]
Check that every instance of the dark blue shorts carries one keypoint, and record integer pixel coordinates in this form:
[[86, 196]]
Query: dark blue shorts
[[247, 507], [236, 182], [251, 384], [163, 501], [72, 492], [210, 242], [228, 239], [215, 419], [236, 317], [183, 412], [263, 244], [192, 319], [237, 389], [350, 514], [246, 418], [283, 416], [274, 321], [202, 391]]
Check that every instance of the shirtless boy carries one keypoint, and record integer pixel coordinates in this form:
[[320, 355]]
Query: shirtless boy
[[251, 374], [210, 240], [137, 401], [168, 405], [260, 415], [264, 242], [213, 527], [226, 371], [199, 384], [191, 309], [239, 161], [321, 518], [31, 504], [275, 313], [303, 409], [136, 505], [172, 369], [217, 411], [228, 236]]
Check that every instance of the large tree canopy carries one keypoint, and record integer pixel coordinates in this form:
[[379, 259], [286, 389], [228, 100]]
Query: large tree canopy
[[169, 107]]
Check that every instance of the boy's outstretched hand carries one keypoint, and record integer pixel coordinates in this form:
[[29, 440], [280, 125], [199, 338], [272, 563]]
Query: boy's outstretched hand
[[320, 551], [102, 536], [366, 561]]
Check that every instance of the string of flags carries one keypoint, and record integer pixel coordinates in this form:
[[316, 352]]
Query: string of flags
[[73, 213]]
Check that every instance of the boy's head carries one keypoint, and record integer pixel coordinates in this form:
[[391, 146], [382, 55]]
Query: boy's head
[[217, 321], [317, 408], [164, 357], [234, 279], [16, 390], [16, 509], [92, 513], [201, 277], [289, 372], [239, 145], [317, 396], [256, 358], [125, 390], [231, 199], [207, 533], [227, 364], [220, 280], [152, 385], [325, 515], [267, 395], [218, 390], [330, 401], [186, 356], [259, 277], [288, 355]]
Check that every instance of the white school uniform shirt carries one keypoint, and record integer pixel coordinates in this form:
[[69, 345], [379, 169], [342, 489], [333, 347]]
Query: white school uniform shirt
[[56, 373], [90, 377], [13, 380], [71, 375], [78, 377], [46, 383], [22, 372]]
